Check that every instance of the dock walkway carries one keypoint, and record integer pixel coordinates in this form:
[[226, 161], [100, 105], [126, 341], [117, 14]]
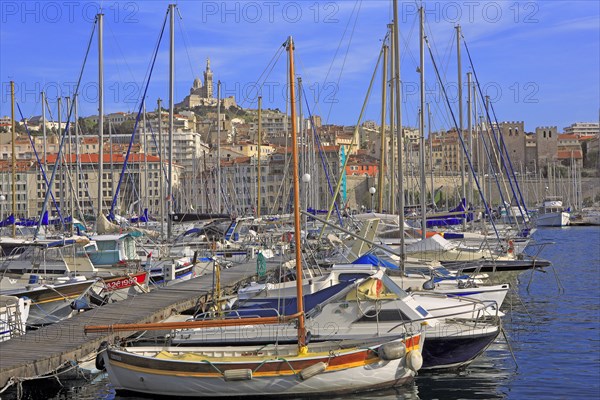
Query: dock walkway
[[43, 351]]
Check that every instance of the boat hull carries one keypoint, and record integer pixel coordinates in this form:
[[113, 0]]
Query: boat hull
[[346, 372], [449, 353], [553, 219]]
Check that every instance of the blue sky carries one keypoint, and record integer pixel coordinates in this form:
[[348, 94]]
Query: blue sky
[[538, 60]]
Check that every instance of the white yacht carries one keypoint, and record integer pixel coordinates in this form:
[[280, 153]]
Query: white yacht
[[552, 213]]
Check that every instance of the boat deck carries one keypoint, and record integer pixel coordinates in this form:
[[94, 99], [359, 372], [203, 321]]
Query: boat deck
[[43, 351]]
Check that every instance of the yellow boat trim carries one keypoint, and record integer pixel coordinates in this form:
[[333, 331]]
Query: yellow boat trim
[[256, 374], [57, 298], [218, 375]]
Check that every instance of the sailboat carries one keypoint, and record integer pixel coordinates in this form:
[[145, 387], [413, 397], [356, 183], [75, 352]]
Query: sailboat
[[329, 367]]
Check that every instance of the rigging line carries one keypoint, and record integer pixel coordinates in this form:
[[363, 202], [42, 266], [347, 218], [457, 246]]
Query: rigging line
[[462, 142], [270, 64], [137, 120], [185, 45], [324, 160], [510, 170], [494, 134], [42, 170], [450, 45], [449, 49], [337, 84], [339, 45], [64, 135], [120, 49], [406, 50], [354, 136]]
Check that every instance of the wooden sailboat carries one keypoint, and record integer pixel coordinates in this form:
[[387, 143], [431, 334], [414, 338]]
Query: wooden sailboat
[[263, 370]]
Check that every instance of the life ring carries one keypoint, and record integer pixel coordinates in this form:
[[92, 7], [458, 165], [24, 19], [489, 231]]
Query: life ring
[[511, 247]]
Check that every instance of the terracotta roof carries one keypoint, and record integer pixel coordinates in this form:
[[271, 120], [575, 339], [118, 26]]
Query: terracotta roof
[[568, 154], [22, 165], [93, 158], [568, 137]]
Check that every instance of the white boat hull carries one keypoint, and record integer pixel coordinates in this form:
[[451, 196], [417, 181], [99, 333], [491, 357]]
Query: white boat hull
[[133, 371], [553, 219]]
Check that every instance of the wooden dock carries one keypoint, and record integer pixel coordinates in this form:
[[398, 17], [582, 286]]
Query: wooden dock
[[53, 347]]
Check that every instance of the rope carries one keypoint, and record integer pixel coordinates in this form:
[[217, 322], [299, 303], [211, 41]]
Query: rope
[[137, 120], [462, 142], [53, 374], [62, 139], [42, 169]]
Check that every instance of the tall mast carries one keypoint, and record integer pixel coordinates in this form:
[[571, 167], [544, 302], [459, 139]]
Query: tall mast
[[423, 184], [391, 163], [100, 113], [70, 189], [145, 186], [430, 154], [259, 154], [400, 135], [295, 173], [75, 107], [61, 178], [490, 160], [110, 152], [460, 120], [13, 157], [160, 170], [383, 108], [219, 146], [470, 136], [171, 111], [480, 167], [44, 126]]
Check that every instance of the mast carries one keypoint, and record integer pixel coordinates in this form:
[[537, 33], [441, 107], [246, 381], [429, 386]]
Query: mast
[[423, 184], [110, 149], [171, 111], [100, 113], [490, 159], [70, 191], [259, 154], [13, 157], [295, 173], [61, 178], [469, 136], [160, 171], [383, 109], [145, 186], [392, 164], [460, 120], [76, 151], [44, 127], [430, 154], [219, 146], [400, 136], [477, 138]]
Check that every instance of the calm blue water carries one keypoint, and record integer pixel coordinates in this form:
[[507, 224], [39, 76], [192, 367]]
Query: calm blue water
[[554, 334]]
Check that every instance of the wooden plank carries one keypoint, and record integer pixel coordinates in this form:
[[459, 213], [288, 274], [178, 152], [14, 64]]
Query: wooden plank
[[42, 351]]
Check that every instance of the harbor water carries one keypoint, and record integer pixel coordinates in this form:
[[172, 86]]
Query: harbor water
[[552, 324]]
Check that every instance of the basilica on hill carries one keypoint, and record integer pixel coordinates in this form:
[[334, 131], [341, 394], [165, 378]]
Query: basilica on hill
[[202, 94]]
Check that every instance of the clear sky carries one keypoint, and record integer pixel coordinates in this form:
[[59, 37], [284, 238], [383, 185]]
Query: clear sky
[[538, 60]]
